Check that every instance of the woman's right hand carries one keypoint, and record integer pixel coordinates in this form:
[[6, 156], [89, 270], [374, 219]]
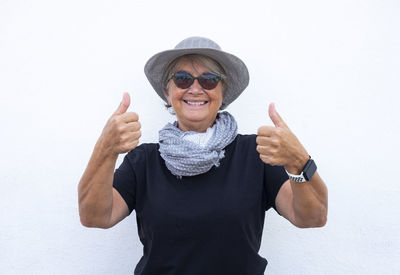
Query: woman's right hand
[[122, 131], [100, 205]]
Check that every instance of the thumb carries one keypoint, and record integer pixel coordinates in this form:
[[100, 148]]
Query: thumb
[[275, 117], [123, 106]]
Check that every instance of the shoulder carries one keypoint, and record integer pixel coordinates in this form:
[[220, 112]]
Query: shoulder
[[243, 149], [245, 143], [246, 139], [142, 152], [147, 147]]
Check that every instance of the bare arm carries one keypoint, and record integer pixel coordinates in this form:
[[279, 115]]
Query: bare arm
[[100, 205], [303, 204]]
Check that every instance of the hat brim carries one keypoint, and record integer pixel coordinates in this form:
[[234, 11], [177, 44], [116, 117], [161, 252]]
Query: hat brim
[[237, 75]]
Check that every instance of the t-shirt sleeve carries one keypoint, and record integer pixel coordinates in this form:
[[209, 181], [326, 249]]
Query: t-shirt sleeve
[[125, 182], [274, 178]]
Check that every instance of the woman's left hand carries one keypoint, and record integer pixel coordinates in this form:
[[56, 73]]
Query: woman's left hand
[[277, 145]]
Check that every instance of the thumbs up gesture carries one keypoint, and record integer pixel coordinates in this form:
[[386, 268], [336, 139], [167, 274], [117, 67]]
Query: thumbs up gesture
[[277, 145], [122, 131]]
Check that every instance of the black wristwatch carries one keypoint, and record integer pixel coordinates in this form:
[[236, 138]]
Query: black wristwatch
[[307, 173]]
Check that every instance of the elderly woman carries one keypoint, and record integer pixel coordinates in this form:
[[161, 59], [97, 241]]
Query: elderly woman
[[201, 193]]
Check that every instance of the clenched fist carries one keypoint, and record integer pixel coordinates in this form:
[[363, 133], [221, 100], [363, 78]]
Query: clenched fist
[[279, 146], [122, 131]]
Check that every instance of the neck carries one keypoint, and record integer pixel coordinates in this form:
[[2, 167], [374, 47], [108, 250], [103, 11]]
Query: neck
[[200, 127]]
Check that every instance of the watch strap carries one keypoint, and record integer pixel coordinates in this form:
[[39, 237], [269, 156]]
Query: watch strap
[[296, 178], [307, 173]]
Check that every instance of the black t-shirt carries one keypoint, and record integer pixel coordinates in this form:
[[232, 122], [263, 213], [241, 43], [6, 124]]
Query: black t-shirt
[[206, 224]]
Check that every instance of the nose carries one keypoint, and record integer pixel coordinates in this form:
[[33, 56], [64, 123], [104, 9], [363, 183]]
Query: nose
[[196, 87]]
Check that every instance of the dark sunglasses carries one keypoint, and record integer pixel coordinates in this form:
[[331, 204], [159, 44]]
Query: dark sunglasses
[[184, 80]]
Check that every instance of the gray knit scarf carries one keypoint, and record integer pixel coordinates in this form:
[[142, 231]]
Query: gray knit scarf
[[186, 158]]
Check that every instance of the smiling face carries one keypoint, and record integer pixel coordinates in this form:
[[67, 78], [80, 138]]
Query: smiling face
[[196, 108]]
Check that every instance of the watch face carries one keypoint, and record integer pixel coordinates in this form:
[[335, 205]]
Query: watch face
[[309, 169]]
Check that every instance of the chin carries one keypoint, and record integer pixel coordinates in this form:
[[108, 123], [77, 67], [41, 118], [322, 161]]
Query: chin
[[196, 119], [197, 115]]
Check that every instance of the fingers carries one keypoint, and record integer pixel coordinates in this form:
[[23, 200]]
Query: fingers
[[275, 117], [272, 140], [269, 160], [270, 132], [269, 149], [127, 146], [122, 131], [266, 131], [133, 126], [267, 141], [122, 110], [123, 106], [130, 137], [129, 117], [278, 145], [126, 139]]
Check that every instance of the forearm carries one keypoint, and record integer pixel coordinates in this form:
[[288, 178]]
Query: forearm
[[310, 202], [95, 188]]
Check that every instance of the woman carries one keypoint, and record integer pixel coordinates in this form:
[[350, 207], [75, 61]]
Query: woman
[[201, 193]]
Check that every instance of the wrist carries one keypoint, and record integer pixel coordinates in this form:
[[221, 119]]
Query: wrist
[[103, 151], [298, 163], [306, 174]]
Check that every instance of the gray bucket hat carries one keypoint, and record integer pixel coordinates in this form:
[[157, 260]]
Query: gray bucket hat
[[235, 69]]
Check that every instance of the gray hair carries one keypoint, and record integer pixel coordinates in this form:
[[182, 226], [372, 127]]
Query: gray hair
[[195, 59]]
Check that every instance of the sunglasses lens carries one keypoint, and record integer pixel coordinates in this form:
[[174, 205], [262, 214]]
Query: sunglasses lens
[[209, 81], [183, 80]]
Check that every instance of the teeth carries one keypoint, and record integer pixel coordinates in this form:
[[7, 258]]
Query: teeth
[[197, 103]]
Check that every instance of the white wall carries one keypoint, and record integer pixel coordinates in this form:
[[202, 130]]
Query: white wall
[[331, 67]]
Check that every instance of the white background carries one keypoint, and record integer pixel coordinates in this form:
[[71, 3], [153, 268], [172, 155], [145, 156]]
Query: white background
[[331, 67]]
